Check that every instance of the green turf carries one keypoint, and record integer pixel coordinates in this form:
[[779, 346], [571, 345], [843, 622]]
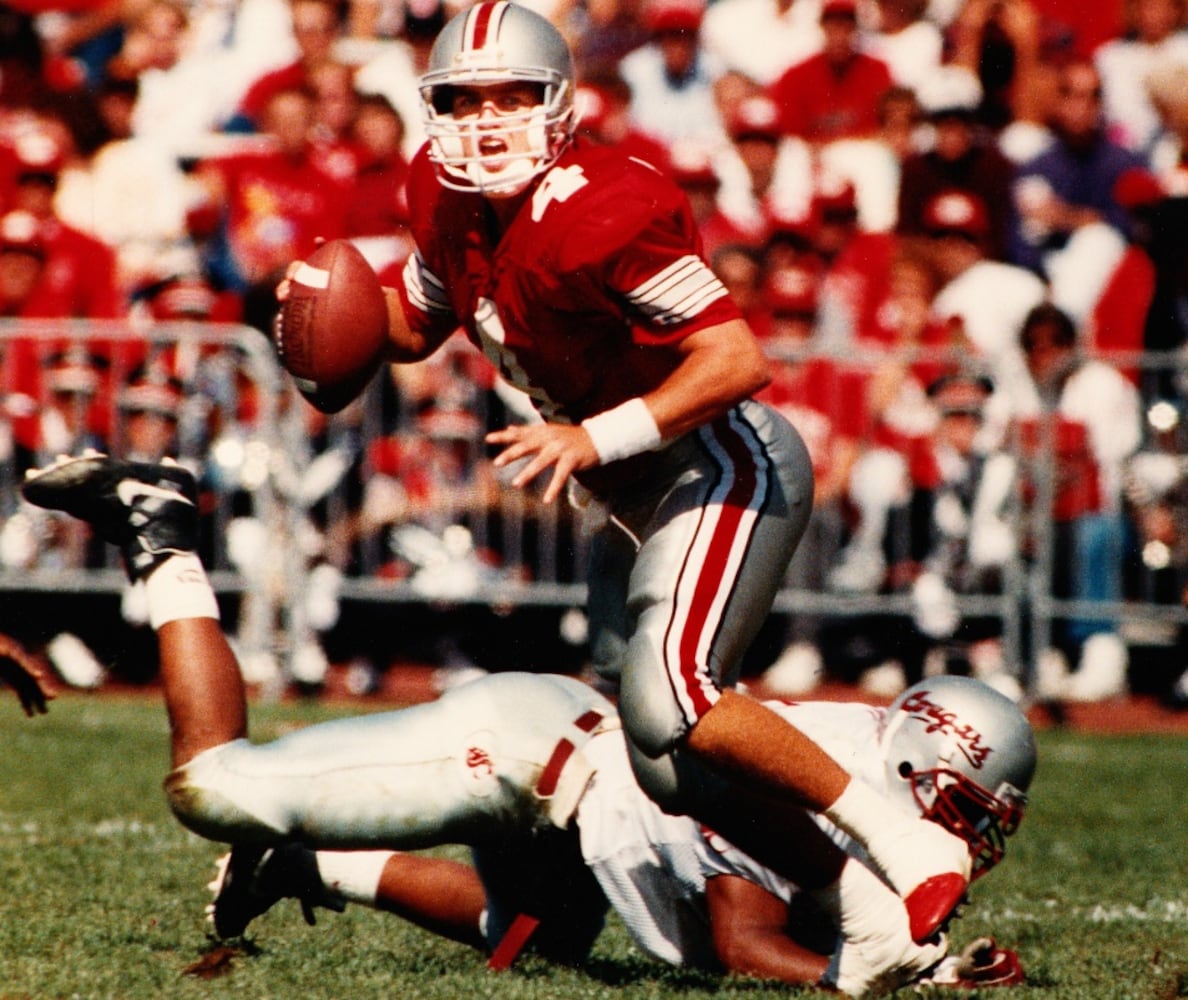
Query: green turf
[[104, 891]]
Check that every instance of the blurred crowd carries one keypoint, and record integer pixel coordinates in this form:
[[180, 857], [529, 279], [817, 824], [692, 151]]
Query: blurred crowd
[[957, 226]]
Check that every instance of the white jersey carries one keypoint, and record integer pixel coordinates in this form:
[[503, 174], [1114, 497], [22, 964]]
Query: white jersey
[[653, 867]]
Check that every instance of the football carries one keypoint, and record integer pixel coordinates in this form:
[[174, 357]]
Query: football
[[332, 329]]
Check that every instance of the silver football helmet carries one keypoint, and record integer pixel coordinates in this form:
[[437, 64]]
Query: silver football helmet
[[491, 43], [963, 755]]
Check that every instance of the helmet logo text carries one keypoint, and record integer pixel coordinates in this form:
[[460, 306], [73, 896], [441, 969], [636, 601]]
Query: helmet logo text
[[938, 719]]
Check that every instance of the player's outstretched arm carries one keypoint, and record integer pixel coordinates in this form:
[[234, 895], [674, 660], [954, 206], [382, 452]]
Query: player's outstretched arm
[[27, 675]]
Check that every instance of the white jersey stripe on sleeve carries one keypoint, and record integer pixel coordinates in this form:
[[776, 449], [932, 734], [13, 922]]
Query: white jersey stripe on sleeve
[[425, 289], [679, 292]]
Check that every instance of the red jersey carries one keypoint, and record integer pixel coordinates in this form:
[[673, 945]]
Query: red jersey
[[79, 279], [277, 207], [820, 104], [582, 300]]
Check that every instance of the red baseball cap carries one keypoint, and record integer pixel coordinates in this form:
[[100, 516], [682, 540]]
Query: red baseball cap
[[839, 8], [661, 16]]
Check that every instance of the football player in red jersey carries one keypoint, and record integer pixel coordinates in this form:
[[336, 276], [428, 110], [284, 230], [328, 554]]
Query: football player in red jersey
[[578, 271]]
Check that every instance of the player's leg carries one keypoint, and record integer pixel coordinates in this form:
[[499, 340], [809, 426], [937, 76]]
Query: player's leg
[[150, 512], [443, 896], [491, 758], [454, 771], [710, 562]]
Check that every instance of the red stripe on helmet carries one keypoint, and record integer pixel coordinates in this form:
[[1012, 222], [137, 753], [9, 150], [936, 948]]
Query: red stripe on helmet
[[483, 25]]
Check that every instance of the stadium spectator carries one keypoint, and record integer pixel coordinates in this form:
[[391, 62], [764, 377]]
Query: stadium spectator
[[667, 373], [1087, 424], [1154, 39], [316, 26], [962, 507], [604, 118], [985, 301], [760, 39], [672, 78], [873, 164], [904, 351], [693, 171], [336, 103], [1069, 226], [857, 263], [73, 388], [762, 172], [393, 70], [835, 93], [820, 396], [79, 278], [961, 156], [270, 204], [22, 251], [1002, 43], [377, 207], [132, 194], [150, 405]]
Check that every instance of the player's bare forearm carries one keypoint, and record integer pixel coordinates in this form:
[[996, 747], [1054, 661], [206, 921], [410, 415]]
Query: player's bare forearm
[[404, 344], [749, 927], [720, 367]]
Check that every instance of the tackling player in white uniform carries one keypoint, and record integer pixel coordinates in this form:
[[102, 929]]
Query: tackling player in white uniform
[[950, 747], [532, 772]]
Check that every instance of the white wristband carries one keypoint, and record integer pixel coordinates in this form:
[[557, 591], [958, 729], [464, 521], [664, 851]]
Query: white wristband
[[625, 430]]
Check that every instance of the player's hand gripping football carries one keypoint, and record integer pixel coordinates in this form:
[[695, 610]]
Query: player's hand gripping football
[[27, 675], [563, 448]]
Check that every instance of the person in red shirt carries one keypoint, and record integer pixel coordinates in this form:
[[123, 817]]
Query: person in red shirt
[[835, 93], [316, 27], [377, 204], [79, 279], [273, 202], [578, 272]]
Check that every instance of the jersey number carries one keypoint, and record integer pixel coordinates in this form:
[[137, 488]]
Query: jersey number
[[493, 338], [559, 184]]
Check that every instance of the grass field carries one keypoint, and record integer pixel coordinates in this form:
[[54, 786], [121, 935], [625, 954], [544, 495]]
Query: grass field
[[104, 891]]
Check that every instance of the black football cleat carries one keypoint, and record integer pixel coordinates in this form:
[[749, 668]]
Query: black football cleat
[[149, 511], [251, 880]]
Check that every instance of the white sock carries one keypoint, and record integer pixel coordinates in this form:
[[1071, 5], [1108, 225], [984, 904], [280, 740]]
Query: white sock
[[178, 589], [353, 875]]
